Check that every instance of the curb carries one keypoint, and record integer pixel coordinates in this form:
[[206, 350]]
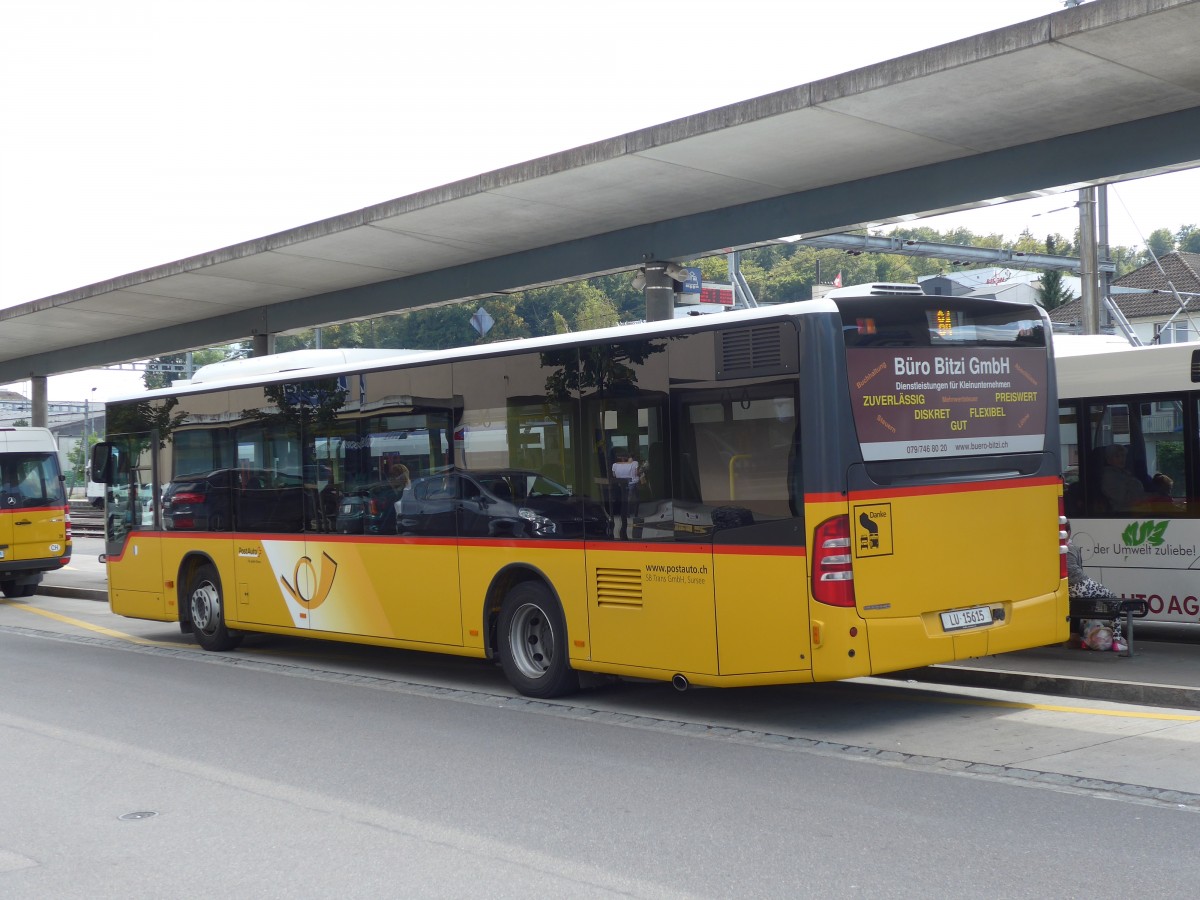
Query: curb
[[1167, 695]]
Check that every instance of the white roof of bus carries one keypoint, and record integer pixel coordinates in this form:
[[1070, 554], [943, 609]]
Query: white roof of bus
[[1083, 344], [245, 369], [284, 372], [1093, 368]]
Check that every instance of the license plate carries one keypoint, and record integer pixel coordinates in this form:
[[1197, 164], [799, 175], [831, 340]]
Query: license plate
[[966, 618]]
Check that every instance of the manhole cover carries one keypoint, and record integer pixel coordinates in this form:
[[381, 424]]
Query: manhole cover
[[133, 816]]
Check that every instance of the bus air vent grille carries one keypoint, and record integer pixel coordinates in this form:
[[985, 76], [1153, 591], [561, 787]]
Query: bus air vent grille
[[769, 349], [1195, 366], [619, 588]]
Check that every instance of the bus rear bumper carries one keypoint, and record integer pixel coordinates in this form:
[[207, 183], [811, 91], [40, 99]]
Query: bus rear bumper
[[917, 641]]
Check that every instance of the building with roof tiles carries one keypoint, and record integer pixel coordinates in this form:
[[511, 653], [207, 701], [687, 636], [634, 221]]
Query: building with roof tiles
[[1145, 298]]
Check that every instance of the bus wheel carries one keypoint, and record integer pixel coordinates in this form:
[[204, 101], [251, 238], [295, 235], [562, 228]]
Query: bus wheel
[[12, 590], [533, 643], [207, 611]]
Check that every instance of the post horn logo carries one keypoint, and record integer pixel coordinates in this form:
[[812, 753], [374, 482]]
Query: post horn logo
[[305, 576]]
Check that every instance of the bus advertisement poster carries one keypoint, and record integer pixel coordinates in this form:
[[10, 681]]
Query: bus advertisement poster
[[941, 401]]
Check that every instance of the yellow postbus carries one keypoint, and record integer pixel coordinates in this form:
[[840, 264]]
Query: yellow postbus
[[800, 493], [35, 525]]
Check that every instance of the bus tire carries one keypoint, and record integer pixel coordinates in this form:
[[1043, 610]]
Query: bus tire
[[206, 606], [533, 643]]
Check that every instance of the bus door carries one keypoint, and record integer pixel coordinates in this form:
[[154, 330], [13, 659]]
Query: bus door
[[715, 540], [650, 597], [133, 548], [278, 581], [8, 506], [739, 483]]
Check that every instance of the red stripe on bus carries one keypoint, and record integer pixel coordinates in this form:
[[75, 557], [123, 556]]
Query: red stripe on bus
[[15, 510], [1006, 484], [961, 487], [825, 498], [757, 550]]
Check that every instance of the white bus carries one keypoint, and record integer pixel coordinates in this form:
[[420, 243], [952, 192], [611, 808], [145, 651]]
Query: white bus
[[1129, 418]]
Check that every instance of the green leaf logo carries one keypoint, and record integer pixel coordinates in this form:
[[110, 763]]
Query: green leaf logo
[[1149, 532], [1156, 533]]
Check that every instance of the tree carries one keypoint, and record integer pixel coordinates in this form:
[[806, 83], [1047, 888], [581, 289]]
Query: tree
[[154, 380], [595, 311], [1161, 242], [1054, 293], [78, 456], [1187, 239]]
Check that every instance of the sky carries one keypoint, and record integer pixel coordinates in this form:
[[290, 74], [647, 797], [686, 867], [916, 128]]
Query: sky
[[139, 133]]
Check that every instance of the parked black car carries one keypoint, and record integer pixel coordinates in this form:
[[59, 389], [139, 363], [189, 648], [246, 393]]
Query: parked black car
[[236, 499], [198, 502], [497, 503], [369, 510]]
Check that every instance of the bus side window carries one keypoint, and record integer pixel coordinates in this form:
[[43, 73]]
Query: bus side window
[[1098, 504]]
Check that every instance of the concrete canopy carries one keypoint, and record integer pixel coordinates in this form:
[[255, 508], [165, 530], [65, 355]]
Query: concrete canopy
[[1091, 94]]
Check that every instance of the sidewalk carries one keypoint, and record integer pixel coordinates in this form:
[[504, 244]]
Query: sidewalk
[[1163, 671]]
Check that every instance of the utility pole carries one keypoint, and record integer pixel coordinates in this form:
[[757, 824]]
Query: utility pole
[[1088, 272]]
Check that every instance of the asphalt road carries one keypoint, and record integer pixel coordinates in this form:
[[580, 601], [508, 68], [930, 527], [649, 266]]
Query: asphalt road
[[138, 764]]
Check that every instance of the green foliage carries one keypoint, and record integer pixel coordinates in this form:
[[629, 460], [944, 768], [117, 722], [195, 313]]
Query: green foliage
[[155, 380], [21, 423], [1171, 460], [1187, 239], [776, 273], [1161, 241], [78, 456], [1053, 292]]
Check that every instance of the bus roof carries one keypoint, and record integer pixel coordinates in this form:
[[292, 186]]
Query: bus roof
[[1098, 370], [277, 369]]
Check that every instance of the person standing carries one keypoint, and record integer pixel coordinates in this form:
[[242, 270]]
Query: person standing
[[626, 479]]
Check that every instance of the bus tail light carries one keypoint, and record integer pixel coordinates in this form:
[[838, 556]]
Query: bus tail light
[[1064, 539], [67, 523], [832, 572]]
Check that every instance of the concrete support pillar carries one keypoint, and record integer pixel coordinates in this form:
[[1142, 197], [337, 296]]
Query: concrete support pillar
[[40, 401], [659, 292], [264, 344]]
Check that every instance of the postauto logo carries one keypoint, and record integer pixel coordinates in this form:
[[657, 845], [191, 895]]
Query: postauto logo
[[309, 587]]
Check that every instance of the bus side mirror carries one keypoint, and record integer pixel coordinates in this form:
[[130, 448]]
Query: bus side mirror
[[109, 464]]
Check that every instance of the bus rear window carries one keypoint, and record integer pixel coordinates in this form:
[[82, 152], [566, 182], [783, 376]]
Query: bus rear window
[[945, 376]]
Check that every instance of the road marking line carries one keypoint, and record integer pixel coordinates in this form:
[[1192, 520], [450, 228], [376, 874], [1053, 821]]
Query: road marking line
[[961, 701], [99, 629], [1052, 707]]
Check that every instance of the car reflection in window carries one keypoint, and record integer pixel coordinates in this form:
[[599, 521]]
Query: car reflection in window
[[497, 503], [244, 499]]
